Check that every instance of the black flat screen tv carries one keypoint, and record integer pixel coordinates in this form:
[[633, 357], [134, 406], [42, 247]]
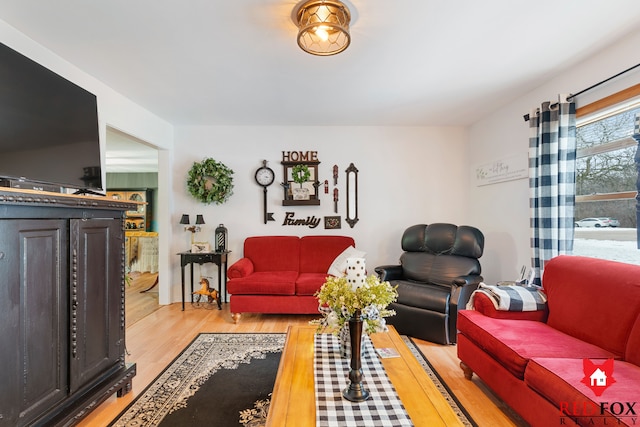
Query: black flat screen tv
[[48, 127]]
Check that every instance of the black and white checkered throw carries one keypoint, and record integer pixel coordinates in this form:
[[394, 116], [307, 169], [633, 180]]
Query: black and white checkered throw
[[512, 298], [331, 378]]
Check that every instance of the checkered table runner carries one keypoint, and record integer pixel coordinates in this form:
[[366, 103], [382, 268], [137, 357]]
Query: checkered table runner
[[331, 372]]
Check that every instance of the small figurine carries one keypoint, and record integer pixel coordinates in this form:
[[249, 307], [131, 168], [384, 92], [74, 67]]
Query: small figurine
[[209, 292]]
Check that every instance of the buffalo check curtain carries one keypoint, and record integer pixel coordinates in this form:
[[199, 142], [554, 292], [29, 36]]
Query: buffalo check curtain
[[552, 158]]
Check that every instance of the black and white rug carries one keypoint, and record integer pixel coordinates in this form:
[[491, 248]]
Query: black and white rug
[[220, 379], [226, 379]]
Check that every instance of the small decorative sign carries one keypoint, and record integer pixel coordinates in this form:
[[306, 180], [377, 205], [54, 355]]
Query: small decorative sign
[[505, 169], [310, 221], [200, 247], [332, 222]]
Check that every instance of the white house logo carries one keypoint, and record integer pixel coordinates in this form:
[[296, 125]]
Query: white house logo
[[601, 411], [598, 377]]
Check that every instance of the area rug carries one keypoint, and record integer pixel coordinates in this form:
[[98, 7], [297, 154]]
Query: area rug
[[221, 379], [226, 379]]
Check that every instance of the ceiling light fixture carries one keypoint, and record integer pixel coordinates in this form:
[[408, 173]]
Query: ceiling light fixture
[[323, 27]]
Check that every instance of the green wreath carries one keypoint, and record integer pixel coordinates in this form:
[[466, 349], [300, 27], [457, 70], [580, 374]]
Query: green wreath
[[210, 181], [300, 174]]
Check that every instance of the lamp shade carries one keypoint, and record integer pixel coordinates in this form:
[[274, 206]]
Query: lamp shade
[[323, 27], [199, 219], [184, 219]]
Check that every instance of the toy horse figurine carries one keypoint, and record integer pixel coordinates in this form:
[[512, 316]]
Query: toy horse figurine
[[209, 292]]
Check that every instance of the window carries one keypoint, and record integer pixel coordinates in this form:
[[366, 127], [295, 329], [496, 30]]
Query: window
[[606, 175]]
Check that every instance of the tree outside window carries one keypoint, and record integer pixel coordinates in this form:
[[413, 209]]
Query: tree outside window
[[606, 175]]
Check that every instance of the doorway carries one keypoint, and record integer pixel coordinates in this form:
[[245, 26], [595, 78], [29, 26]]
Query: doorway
[[132, 174]]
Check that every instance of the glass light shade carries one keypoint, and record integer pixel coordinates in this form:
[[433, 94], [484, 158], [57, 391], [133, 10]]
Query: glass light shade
[[184, 219], [199, 219], [323, 27]]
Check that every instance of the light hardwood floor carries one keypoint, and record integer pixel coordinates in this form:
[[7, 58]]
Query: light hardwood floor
[[140, 304], [157, 338]]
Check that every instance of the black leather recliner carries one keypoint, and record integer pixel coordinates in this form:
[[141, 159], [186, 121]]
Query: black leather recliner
[[437, 274]]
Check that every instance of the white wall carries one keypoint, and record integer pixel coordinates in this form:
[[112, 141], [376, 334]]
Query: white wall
[[407, 175], [501, 210]]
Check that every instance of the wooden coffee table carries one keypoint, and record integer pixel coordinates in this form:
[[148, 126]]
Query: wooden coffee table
[[293, 400]]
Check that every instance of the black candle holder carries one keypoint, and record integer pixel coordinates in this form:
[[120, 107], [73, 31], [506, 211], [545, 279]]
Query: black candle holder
[[355, 392]]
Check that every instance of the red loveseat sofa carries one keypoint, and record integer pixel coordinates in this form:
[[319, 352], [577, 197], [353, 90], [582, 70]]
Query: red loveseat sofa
[[281, 274], [542, 364]]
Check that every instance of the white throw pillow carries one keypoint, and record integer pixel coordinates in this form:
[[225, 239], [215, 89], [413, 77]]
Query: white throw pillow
[[339, 265]]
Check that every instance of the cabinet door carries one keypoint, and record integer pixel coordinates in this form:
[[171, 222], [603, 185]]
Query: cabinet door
[[33, 315], [137, 196], [96, 298]]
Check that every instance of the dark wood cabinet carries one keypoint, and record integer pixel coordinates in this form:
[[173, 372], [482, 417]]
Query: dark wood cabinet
[[33, 315], [96, 336], [61, 307]]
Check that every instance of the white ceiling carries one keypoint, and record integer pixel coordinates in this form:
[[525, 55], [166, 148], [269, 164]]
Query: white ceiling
[[125, 154], [411, 62]]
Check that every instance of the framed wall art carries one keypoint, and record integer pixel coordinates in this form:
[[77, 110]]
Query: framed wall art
[[332, 222]]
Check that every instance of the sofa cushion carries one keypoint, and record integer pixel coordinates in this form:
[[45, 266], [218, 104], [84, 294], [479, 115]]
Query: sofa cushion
[[273, 253], [582, 305], [423, 295], [318, 252], [559, 381], [514, 342], [430, 268], [338, 265], [264, 283], [309, 283], [632, 353]]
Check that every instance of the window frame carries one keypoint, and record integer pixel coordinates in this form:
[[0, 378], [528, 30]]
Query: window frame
[[619, 99]]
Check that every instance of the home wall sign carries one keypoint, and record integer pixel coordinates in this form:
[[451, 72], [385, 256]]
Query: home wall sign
[[300, 172], [300, 156], [310, 221]]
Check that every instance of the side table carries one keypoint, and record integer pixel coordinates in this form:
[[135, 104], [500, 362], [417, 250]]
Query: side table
[[218, 258]]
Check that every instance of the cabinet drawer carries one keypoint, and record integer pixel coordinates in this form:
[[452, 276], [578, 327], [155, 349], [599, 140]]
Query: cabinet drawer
[[201, 258]]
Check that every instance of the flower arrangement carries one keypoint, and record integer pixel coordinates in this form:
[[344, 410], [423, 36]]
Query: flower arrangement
[[339, 301]]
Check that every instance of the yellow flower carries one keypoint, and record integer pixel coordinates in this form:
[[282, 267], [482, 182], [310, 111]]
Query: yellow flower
[[339, 302]]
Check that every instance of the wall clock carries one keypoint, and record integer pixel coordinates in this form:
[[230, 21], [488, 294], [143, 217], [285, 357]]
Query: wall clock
[[265, 177]]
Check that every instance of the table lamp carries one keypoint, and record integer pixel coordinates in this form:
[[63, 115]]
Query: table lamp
[[192, 228]]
